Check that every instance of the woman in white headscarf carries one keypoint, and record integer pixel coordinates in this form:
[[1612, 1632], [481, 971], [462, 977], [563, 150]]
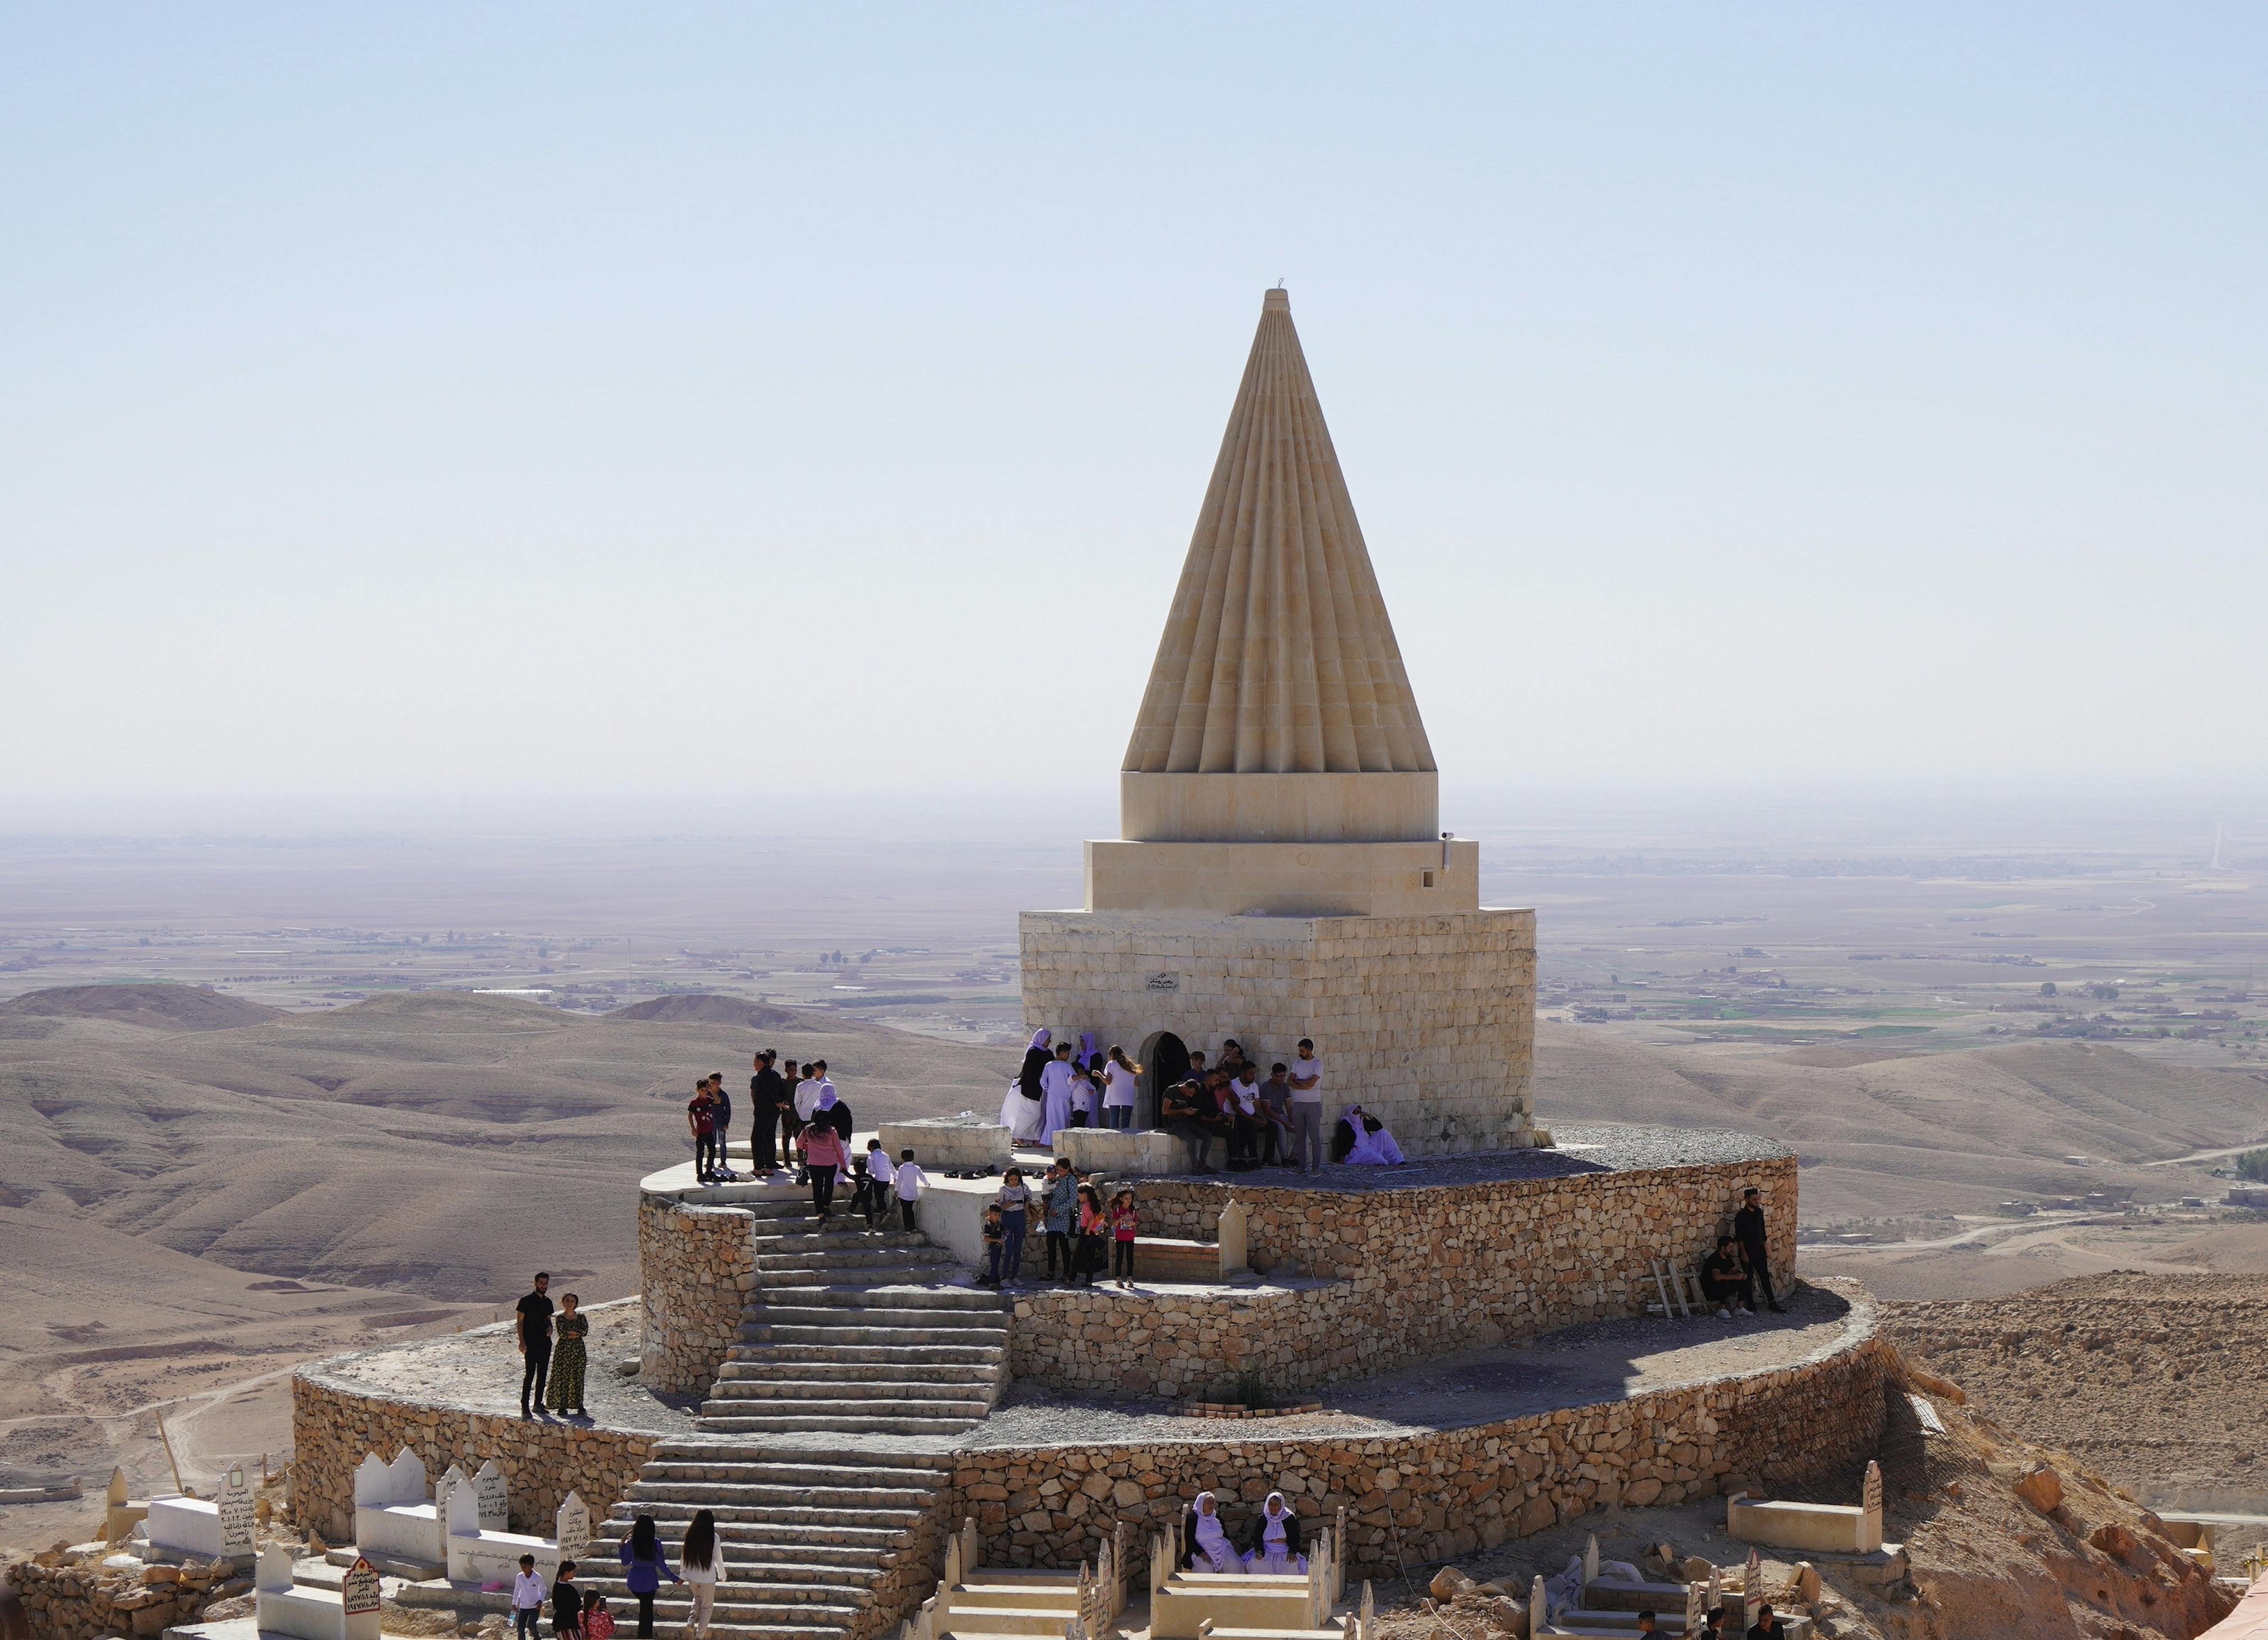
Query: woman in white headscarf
[[1021, 1113], [1209, 1548], [1373, 1145], [1274, 1545]]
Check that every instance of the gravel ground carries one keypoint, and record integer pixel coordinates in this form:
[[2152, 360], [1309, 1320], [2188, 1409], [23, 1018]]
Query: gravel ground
[[479, 1371], [1582, 1148], [1580, 1366]]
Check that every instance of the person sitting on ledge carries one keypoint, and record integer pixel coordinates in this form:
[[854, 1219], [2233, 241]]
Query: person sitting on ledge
[[1725, 1282], [1273, 1544], [1364, 1141], [1208, 1547], [1177, 1106]]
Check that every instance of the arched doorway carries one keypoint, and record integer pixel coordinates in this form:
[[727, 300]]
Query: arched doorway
[[1165, 1061]]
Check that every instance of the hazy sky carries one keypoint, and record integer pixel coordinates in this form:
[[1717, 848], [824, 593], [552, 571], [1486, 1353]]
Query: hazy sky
[[480, 407]]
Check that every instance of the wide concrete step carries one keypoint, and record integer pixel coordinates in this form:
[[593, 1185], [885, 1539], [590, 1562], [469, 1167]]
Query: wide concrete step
[[1027, 1597], [788, 1604], [830, 1404], [811, 1458], [778, 1526], [846, 1493], [768, 1366], [763, 1507], [918, 1290], [865, 1248], [884, 1307], [902, 1284], [847, 1568], [1009, 1620], [924, 1355], [769, 1387], [839, 1423], [850, 1327]]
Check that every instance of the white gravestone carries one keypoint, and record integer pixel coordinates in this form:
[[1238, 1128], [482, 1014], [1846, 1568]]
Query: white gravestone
[[494, 1498], [573, 1525], [237, 1516]]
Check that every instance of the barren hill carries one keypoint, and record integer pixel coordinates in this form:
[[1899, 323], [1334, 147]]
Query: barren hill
[[156, 1007], [1902, 1134], [710, 1009], [2158, 1381]]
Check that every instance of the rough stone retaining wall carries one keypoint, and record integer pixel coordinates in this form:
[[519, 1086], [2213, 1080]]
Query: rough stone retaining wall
[[1416, 1273], [1435, 1495], [81, 1600], [333, 1426], [696, 1268]]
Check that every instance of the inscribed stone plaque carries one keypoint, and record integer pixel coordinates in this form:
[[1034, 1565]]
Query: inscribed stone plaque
[[574, 1528], [1165, 982], [236, 1513], [359, 1590], [494, 1498]]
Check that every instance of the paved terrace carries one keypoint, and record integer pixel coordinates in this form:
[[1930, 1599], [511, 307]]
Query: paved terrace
[[479, 1371]]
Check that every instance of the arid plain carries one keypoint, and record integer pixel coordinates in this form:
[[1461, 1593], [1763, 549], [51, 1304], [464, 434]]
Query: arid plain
[[421, 1069]]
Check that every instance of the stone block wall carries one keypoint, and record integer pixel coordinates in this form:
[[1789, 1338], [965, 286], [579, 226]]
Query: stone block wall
[[334, 1425], [68, 1597], [1433, 1495], [1413, 1274], [1429, 1022], [696, 1271]]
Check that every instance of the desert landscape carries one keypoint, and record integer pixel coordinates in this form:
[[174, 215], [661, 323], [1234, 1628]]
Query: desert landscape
[[211, 1171]]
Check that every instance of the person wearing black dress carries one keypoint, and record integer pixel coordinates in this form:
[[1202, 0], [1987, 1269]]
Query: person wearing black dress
[[767, 1092]]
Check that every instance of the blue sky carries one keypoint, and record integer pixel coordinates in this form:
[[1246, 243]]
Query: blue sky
[[525, 406]]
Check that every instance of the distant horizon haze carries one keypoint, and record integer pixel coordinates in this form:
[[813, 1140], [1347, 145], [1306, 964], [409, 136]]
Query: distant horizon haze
[[424, 414]]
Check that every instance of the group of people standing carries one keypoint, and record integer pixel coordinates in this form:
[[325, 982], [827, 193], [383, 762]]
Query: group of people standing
[[1270, 1119], [785, 1101], [1071, 1214], [797, 1114]]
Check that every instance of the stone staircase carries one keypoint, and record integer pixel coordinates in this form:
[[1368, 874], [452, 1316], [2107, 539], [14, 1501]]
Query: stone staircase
[[852, 1332], [848, 1336]]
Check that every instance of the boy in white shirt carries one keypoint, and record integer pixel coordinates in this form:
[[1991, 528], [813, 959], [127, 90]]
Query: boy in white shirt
[[907, 1180], [528, 1593], [874, 1194]]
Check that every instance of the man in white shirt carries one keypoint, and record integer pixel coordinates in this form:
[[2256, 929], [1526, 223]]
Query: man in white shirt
[[1308, 1108]]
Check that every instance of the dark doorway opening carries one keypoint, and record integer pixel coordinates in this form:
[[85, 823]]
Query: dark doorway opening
[[1165, 1061]]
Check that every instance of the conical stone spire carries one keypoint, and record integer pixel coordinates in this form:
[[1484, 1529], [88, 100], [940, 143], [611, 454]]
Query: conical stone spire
[[1278, 656]]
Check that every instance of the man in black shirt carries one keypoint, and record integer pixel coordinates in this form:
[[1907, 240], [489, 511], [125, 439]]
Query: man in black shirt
[[767, 1092], [720, 1161], [1749, 1230], [534, 1329], [1766, 1627], [1725, 1282]]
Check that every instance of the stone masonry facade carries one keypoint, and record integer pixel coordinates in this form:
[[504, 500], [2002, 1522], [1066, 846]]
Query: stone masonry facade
[[696, 1269], [1434, 1495], [1428, 1022], [334, 1425], [1413, 1274]]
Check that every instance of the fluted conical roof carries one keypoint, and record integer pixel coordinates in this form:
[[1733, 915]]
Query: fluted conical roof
[[1278, 656]]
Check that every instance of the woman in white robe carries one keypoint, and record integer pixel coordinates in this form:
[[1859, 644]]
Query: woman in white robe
[[1022, 1113], [1371, 1150], [1276, 1541], [1209, 1548]]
